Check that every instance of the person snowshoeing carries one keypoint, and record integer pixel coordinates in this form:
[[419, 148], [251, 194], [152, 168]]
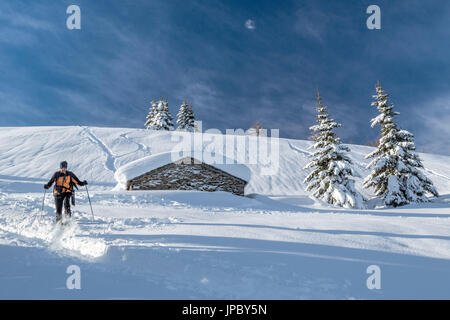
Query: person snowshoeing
[[64, 182]]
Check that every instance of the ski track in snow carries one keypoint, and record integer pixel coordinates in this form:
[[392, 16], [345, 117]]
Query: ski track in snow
[[303, 152], [140, 146], [110, 158], [437, 174]]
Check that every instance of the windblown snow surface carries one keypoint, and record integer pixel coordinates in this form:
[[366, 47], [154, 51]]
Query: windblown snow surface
[[275, 243]]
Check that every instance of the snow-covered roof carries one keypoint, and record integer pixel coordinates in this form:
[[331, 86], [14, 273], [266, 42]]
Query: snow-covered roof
[[141, 166]]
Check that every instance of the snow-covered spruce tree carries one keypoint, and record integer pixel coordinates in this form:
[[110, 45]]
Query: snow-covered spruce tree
[[151, 116], [163, 119], [330, 179], [185, 118], [395, 174]]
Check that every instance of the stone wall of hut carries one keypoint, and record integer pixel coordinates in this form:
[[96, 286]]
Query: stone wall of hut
[[188, 176]]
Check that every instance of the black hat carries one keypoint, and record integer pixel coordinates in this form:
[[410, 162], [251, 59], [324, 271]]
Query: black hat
[[63, 164]]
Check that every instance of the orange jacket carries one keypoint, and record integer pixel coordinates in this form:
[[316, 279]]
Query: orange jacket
[[64, 182]]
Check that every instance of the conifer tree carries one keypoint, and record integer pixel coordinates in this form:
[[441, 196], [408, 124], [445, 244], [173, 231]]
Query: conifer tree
[[149, 124], [330, 179], [163, 119], [396, 175], [185, 118]]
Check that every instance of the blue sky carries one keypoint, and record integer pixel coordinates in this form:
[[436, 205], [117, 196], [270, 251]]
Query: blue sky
[[129, 52]]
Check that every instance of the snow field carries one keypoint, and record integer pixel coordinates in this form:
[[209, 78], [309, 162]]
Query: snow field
[[276, 243]]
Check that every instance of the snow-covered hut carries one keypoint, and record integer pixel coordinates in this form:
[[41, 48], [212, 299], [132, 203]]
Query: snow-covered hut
[[162, 172]]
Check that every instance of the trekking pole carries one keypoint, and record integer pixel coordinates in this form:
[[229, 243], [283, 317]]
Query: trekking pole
[[89, 198], [43, 200], [42, 209]]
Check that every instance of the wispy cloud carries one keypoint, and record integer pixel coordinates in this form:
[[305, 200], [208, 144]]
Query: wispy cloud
[[21, 108], [310, 24], [26, 21], [431, 125], [20, 23], [16, 37]]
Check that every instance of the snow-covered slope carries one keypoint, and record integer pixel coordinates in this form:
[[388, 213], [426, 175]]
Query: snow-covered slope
[[275, 243], [95, 154]]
